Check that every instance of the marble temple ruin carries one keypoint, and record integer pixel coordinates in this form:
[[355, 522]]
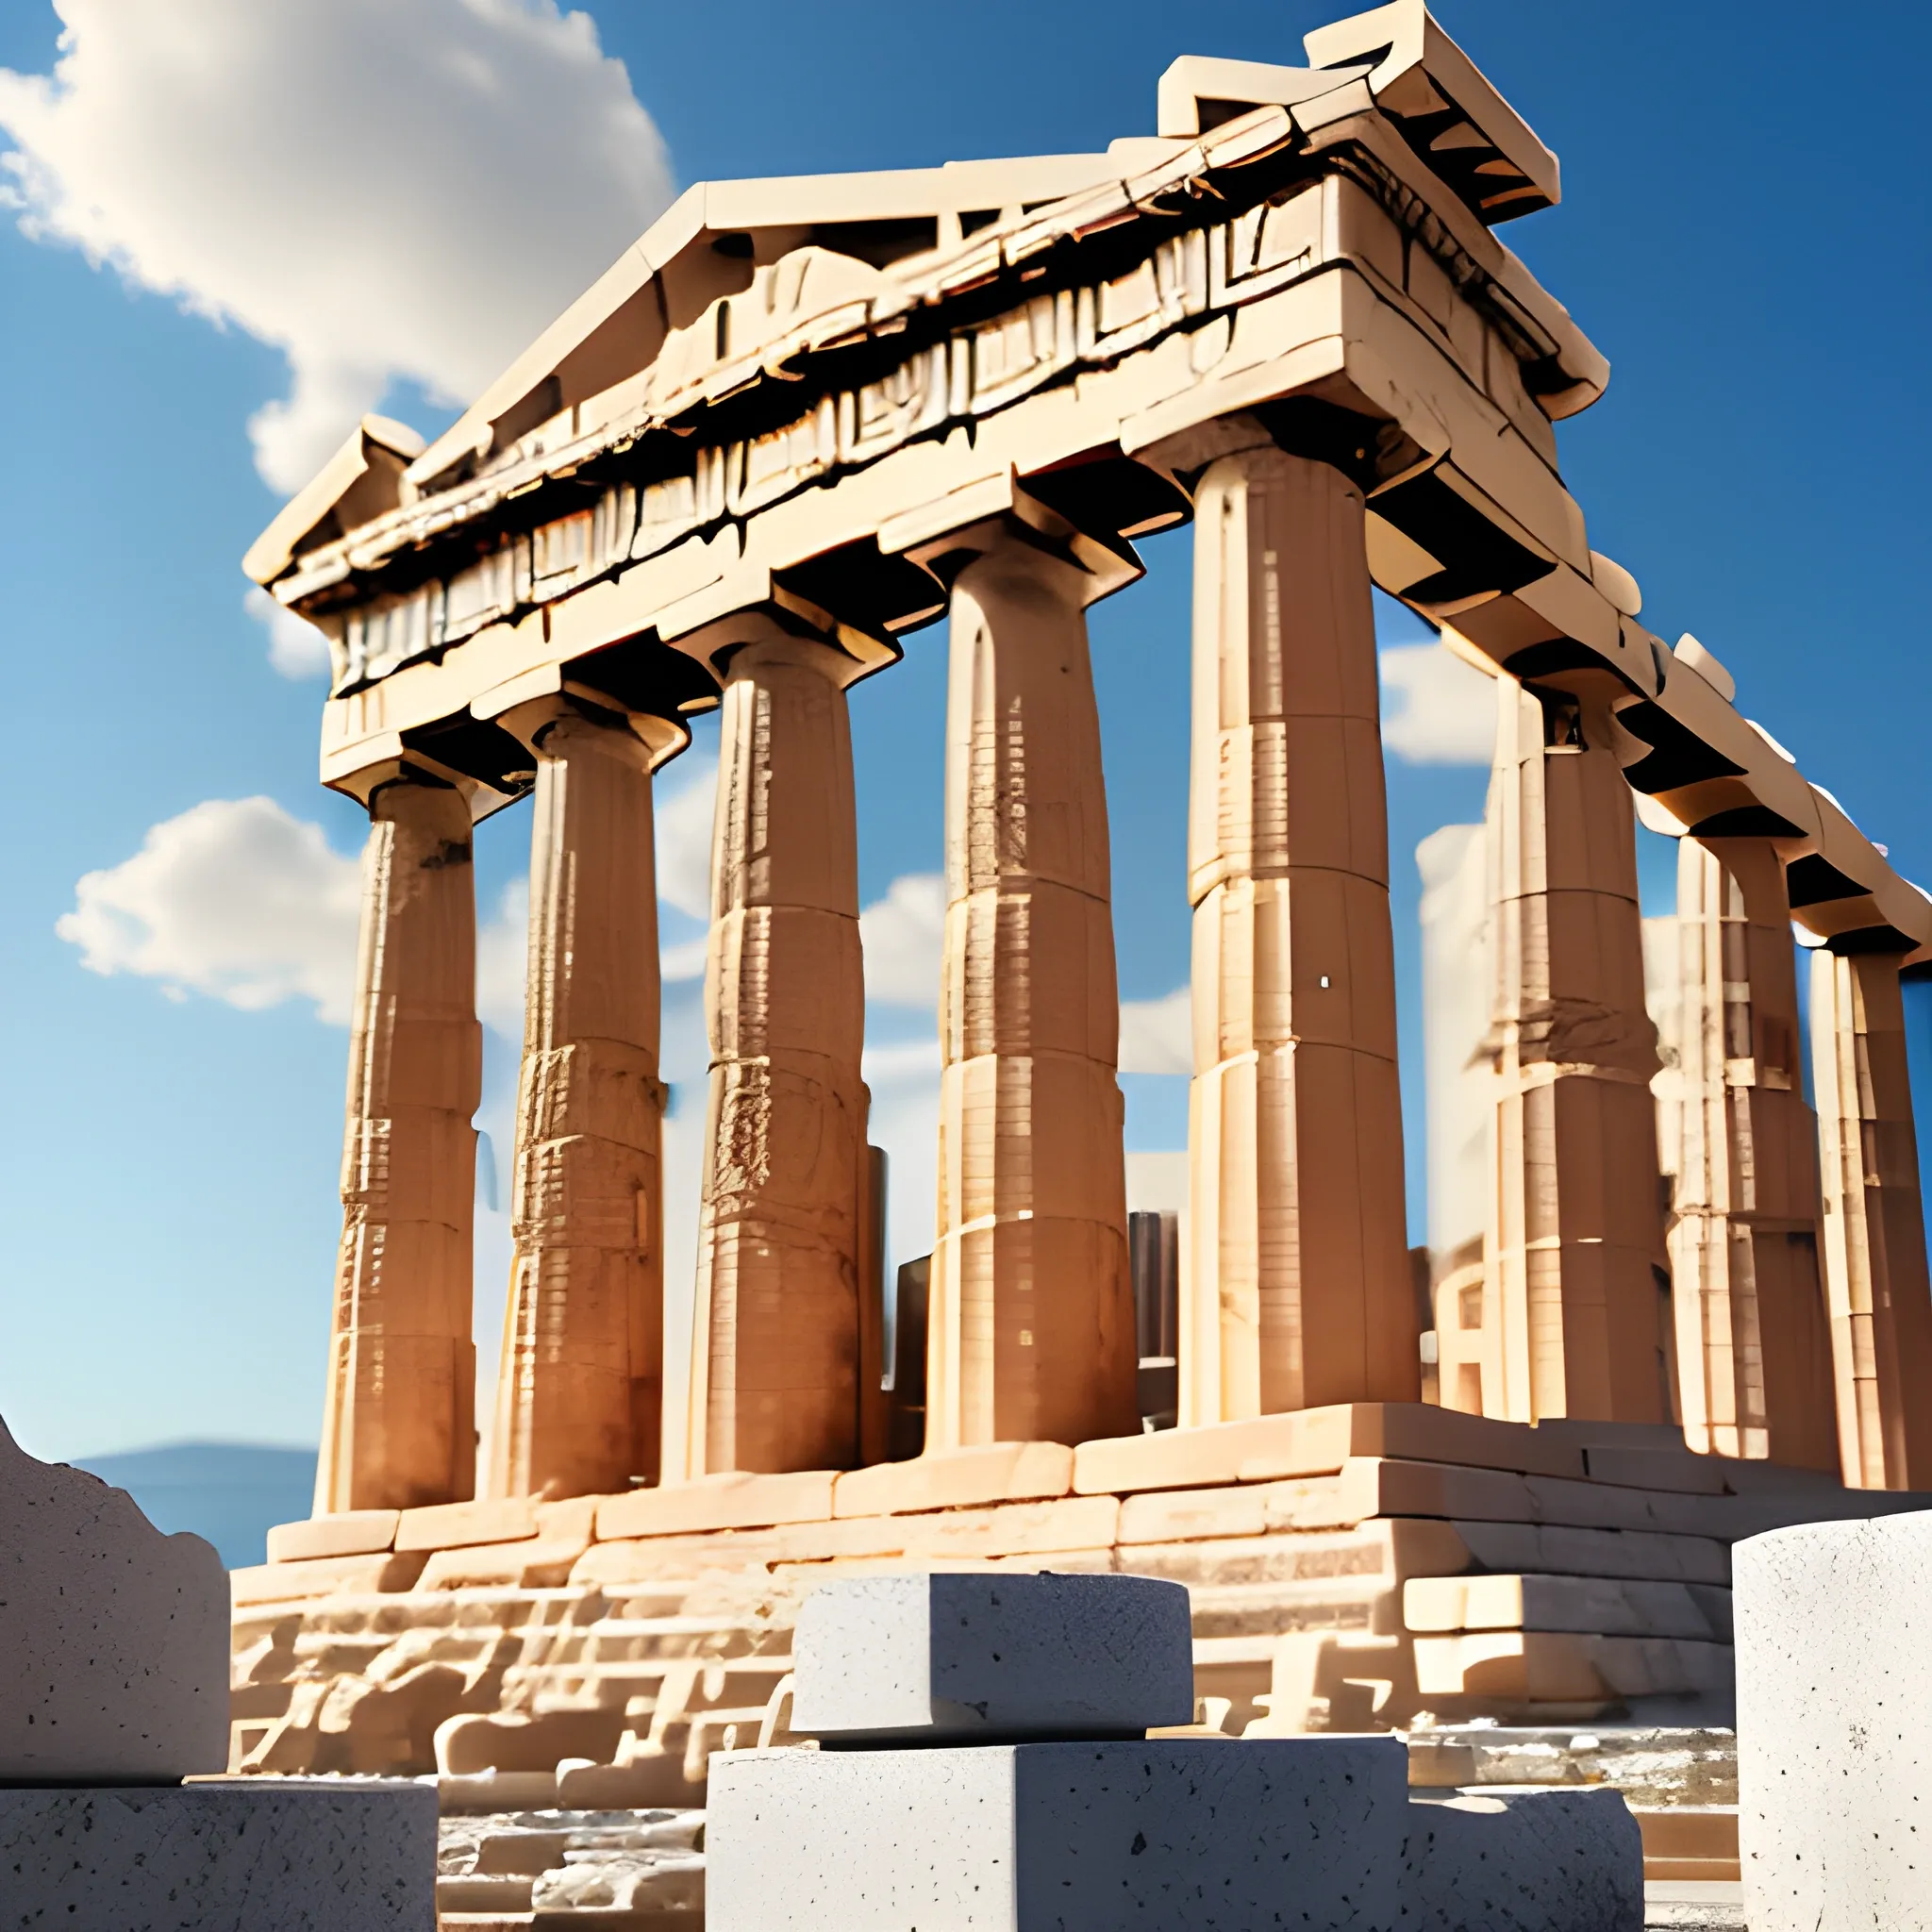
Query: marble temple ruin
[[797, 420]]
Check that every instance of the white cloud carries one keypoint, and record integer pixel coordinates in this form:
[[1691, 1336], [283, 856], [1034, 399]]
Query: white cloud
[[234, 898], [683, 822], [382, 189], [237, 899], [295, 647], [1157, 1035], [684, 958], [902, 935], [503, 958], [900, 1061], [1447, 715]]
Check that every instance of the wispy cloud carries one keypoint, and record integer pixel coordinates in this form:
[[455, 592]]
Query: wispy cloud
[[382, 189], [1156, 1036], [239, 900], [234, 898], [1445, 712]]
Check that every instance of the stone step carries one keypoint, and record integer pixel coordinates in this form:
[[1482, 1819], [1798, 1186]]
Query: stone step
[[497, 1892], [1690, 1842], [1556, 1666], [1654, 1767], [1586, 1604], [1559, 1548], [1391, 1549]]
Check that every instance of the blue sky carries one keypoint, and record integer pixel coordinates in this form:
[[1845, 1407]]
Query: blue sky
[[1741, 233]]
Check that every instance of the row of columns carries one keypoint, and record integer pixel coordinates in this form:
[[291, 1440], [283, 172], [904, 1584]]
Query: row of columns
[[1774, 1302], [1297, 1289]]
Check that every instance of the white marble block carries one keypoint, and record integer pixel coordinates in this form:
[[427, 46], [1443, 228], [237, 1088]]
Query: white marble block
[[1161, 1835], [905, 1659], [1552, 1861], [1835, 1724], [243, 1855], [113, 1638]]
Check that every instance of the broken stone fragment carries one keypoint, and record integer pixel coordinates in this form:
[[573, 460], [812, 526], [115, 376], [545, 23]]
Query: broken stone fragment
[[115, 1638]]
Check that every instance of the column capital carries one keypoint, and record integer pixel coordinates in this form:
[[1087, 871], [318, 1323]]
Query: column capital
[[413, 770], [787, 630], [1039, 540], [542, 722]]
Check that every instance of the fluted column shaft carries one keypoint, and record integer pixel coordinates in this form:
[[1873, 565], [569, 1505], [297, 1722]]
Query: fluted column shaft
[[1031, 1322], [1754, 1348], [776, 1337], [399, 1426], [1874, 1227], [1575, 1294], [1298, 1290], [579, 1393]]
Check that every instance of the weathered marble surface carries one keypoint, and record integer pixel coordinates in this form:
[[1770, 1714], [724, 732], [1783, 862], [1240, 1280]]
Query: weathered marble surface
[[115, 1637], [245, 1853]]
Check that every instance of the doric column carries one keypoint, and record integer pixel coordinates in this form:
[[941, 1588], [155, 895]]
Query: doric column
[[580, 1389], [1576, 1320], [1031, 1315], [775, 1336], [1299, 1290], [1753, 1346], [1874, 1227], [399, 1426]]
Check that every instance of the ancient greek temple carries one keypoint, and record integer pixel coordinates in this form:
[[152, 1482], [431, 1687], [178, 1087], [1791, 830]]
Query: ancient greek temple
[[802, 418]]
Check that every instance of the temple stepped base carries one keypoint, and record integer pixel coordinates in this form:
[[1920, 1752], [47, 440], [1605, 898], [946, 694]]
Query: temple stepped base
[[1363, 1567]]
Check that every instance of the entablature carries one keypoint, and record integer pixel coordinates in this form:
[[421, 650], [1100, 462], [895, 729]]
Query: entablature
[[802, 441]]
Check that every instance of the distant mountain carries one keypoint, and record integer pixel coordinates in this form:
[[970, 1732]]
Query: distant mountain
[[231, 1493]]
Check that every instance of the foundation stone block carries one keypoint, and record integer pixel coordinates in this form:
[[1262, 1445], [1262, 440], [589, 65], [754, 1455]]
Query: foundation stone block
[[1523, 1862], [1075, 1838], [343, 1533], [729, 1499], [955, 1478], [252, 1853], [1834, 1627], [919, 1659]]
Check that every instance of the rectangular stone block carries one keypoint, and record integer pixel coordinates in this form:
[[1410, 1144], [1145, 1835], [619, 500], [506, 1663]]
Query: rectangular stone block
[[1835, 1724], [1314, 1441], [648, 1558], [732, 1499], [287, 1582], [1058, 1838], [901, 1660], [1599, 1605], [256, 1852], [451, 1525], [957, 1479], [539, 1563], [1171, 1516], [1657, 1469], [1559, 1548], [1523, 1862], [1014, 1529], [1434, 1489], [1559, 1666], [1384, 1551], [347, 1532], [1693, 1841], [674, 1561]]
